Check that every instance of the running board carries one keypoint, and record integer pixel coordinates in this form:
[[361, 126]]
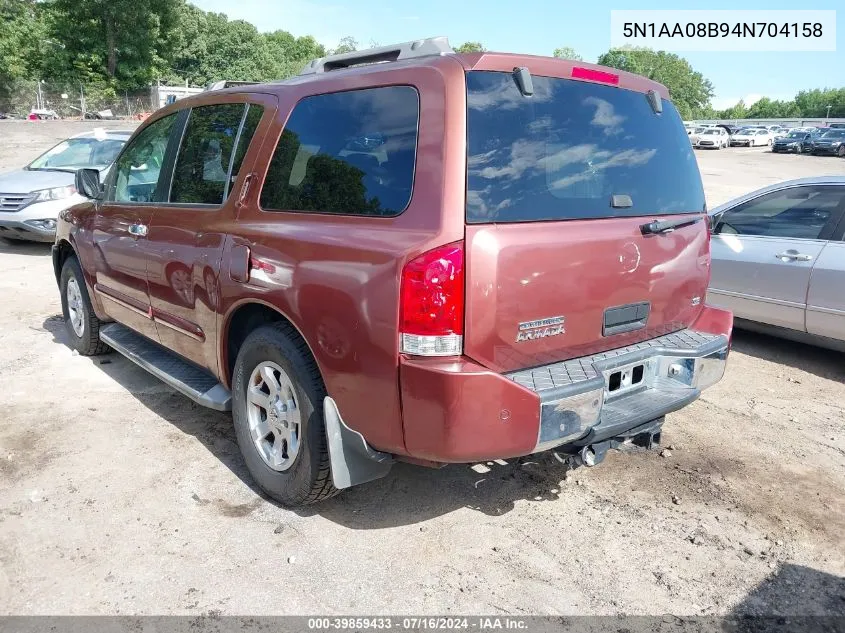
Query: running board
[[184, 377]]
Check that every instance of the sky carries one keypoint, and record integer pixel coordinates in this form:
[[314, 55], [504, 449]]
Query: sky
[[539, 26]]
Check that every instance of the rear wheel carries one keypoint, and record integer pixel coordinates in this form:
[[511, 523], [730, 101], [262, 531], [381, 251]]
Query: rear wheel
[[277, 406], [83, 326], [841, 151]]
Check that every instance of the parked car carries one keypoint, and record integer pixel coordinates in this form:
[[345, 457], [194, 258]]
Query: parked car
[[714, 138], [730, 129], [43, 115], [290, 263], [831, 142], [778, 259], [31, 198], [751, 137], [798, 141], [695, 135]]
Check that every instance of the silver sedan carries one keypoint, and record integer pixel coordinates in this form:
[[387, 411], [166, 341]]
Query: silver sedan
[[778, 259]]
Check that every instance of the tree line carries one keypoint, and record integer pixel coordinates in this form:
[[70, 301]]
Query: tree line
[[125, 45]]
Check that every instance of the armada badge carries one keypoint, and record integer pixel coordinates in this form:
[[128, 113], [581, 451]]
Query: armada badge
[[541, 328]]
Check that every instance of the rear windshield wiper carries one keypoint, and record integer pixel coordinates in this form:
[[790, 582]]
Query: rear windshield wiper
[[667, 226]]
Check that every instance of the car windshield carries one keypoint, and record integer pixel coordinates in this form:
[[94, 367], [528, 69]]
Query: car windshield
[[712, 131], [834, 134], [796, 134], [571, 150], [76, 153]]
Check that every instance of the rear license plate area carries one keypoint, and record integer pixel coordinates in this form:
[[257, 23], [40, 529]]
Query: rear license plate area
[[631, 377]]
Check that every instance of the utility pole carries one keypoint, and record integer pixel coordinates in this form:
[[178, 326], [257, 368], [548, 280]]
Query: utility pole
[[39, 101], [828, 112], [82, 100]]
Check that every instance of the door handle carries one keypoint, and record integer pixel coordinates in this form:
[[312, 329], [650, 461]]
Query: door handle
[[794, 256], [244, 192], [138, 230]]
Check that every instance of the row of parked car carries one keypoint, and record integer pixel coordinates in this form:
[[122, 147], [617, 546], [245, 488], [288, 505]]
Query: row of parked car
[[809, 140]]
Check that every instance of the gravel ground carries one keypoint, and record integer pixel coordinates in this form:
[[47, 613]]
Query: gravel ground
[[120, 496]]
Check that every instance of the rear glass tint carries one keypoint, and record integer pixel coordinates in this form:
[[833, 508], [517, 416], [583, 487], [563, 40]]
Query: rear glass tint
[[564, 152]]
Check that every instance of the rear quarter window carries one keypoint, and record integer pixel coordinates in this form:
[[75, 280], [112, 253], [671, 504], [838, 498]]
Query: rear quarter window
[[564, 152], [349, 153]]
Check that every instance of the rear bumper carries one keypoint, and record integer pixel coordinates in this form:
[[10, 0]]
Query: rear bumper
[[457, 411]]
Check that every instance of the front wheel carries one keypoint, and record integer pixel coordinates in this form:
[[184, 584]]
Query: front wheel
[[841, 151], [277, 406], [83, 326]]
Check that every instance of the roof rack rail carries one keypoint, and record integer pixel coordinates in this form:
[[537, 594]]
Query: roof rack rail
[[225, 83], [393, 52]]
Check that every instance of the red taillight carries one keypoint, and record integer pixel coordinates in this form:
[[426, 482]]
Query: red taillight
[[431, 308], [595, 75]]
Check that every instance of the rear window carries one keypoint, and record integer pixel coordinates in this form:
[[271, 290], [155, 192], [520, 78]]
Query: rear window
[[564, 152]]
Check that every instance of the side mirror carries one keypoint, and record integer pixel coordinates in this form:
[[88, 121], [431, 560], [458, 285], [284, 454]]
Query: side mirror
[[713, 220], [87, 183]]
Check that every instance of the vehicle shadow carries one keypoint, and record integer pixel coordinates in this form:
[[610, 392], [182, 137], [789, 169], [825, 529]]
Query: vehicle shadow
[[406, 496], [17, 247], [822, 362], [790, 600]]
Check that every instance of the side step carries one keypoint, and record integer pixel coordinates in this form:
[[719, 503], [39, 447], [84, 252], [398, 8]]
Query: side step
[[184, 377]]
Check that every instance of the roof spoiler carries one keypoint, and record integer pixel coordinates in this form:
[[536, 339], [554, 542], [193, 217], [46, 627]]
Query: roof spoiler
[[225, 83], [394, 52]]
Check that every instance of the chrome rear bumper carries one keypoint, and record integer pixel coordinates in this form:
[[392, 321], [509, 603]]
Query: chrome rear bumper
[[596, 397]]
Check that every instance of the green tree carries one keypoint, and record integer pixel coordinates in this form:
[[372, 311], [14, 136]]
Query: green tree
[[738, 111], [124, 41], [470, 47], [690, 91], [814, 103], [23, 35], [567, 52], [346, 44], [290, 54]]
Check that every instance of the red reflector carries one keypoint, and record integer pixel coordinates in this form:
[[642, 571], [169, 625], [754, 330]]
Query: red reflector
[[432, 294], [595, 75], [260, 264]]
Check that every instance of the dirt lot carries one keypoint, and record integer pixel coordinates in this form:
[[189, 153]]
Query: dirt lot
[[119, 496]]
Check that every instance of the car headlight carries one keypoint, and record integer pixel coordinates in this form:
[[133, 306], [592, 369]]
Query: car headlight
[[44, 225], [55, 193]]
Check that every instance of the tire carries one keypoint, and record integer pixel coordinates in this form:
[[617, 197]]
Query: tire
[[82, 325], [841, 151], [290, 464]]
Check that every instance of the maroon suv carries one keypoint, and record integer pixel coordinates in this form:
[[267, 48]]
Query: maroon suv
[[406, 254]]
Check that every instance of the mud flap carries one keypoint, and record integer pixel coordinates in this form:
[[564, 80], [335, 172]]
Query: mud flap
[[352, 460]]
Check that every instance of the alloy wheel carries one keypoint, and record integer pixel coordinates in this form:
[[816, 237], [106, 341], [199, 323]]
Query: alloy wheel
[[275, 420], [75, 307]]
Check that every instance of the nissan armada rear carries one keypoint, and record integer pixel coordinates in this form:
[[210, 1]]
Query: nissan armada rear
[[406, 254]]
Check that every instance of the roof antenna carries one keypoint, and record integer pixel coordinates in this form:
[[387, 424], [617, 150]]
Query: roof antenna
[[522, 77], [654, 101]]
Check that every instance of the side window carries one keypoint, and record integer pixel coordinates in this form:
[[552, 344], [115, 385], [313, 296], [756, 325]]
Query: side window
[[798, 212], [138, 168], [253, 118], [202, 166], [348, 152]]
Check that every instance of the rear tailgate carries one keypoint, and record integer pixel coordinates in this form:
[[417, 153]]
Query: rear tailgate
[[559, 185], [559, 279]]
